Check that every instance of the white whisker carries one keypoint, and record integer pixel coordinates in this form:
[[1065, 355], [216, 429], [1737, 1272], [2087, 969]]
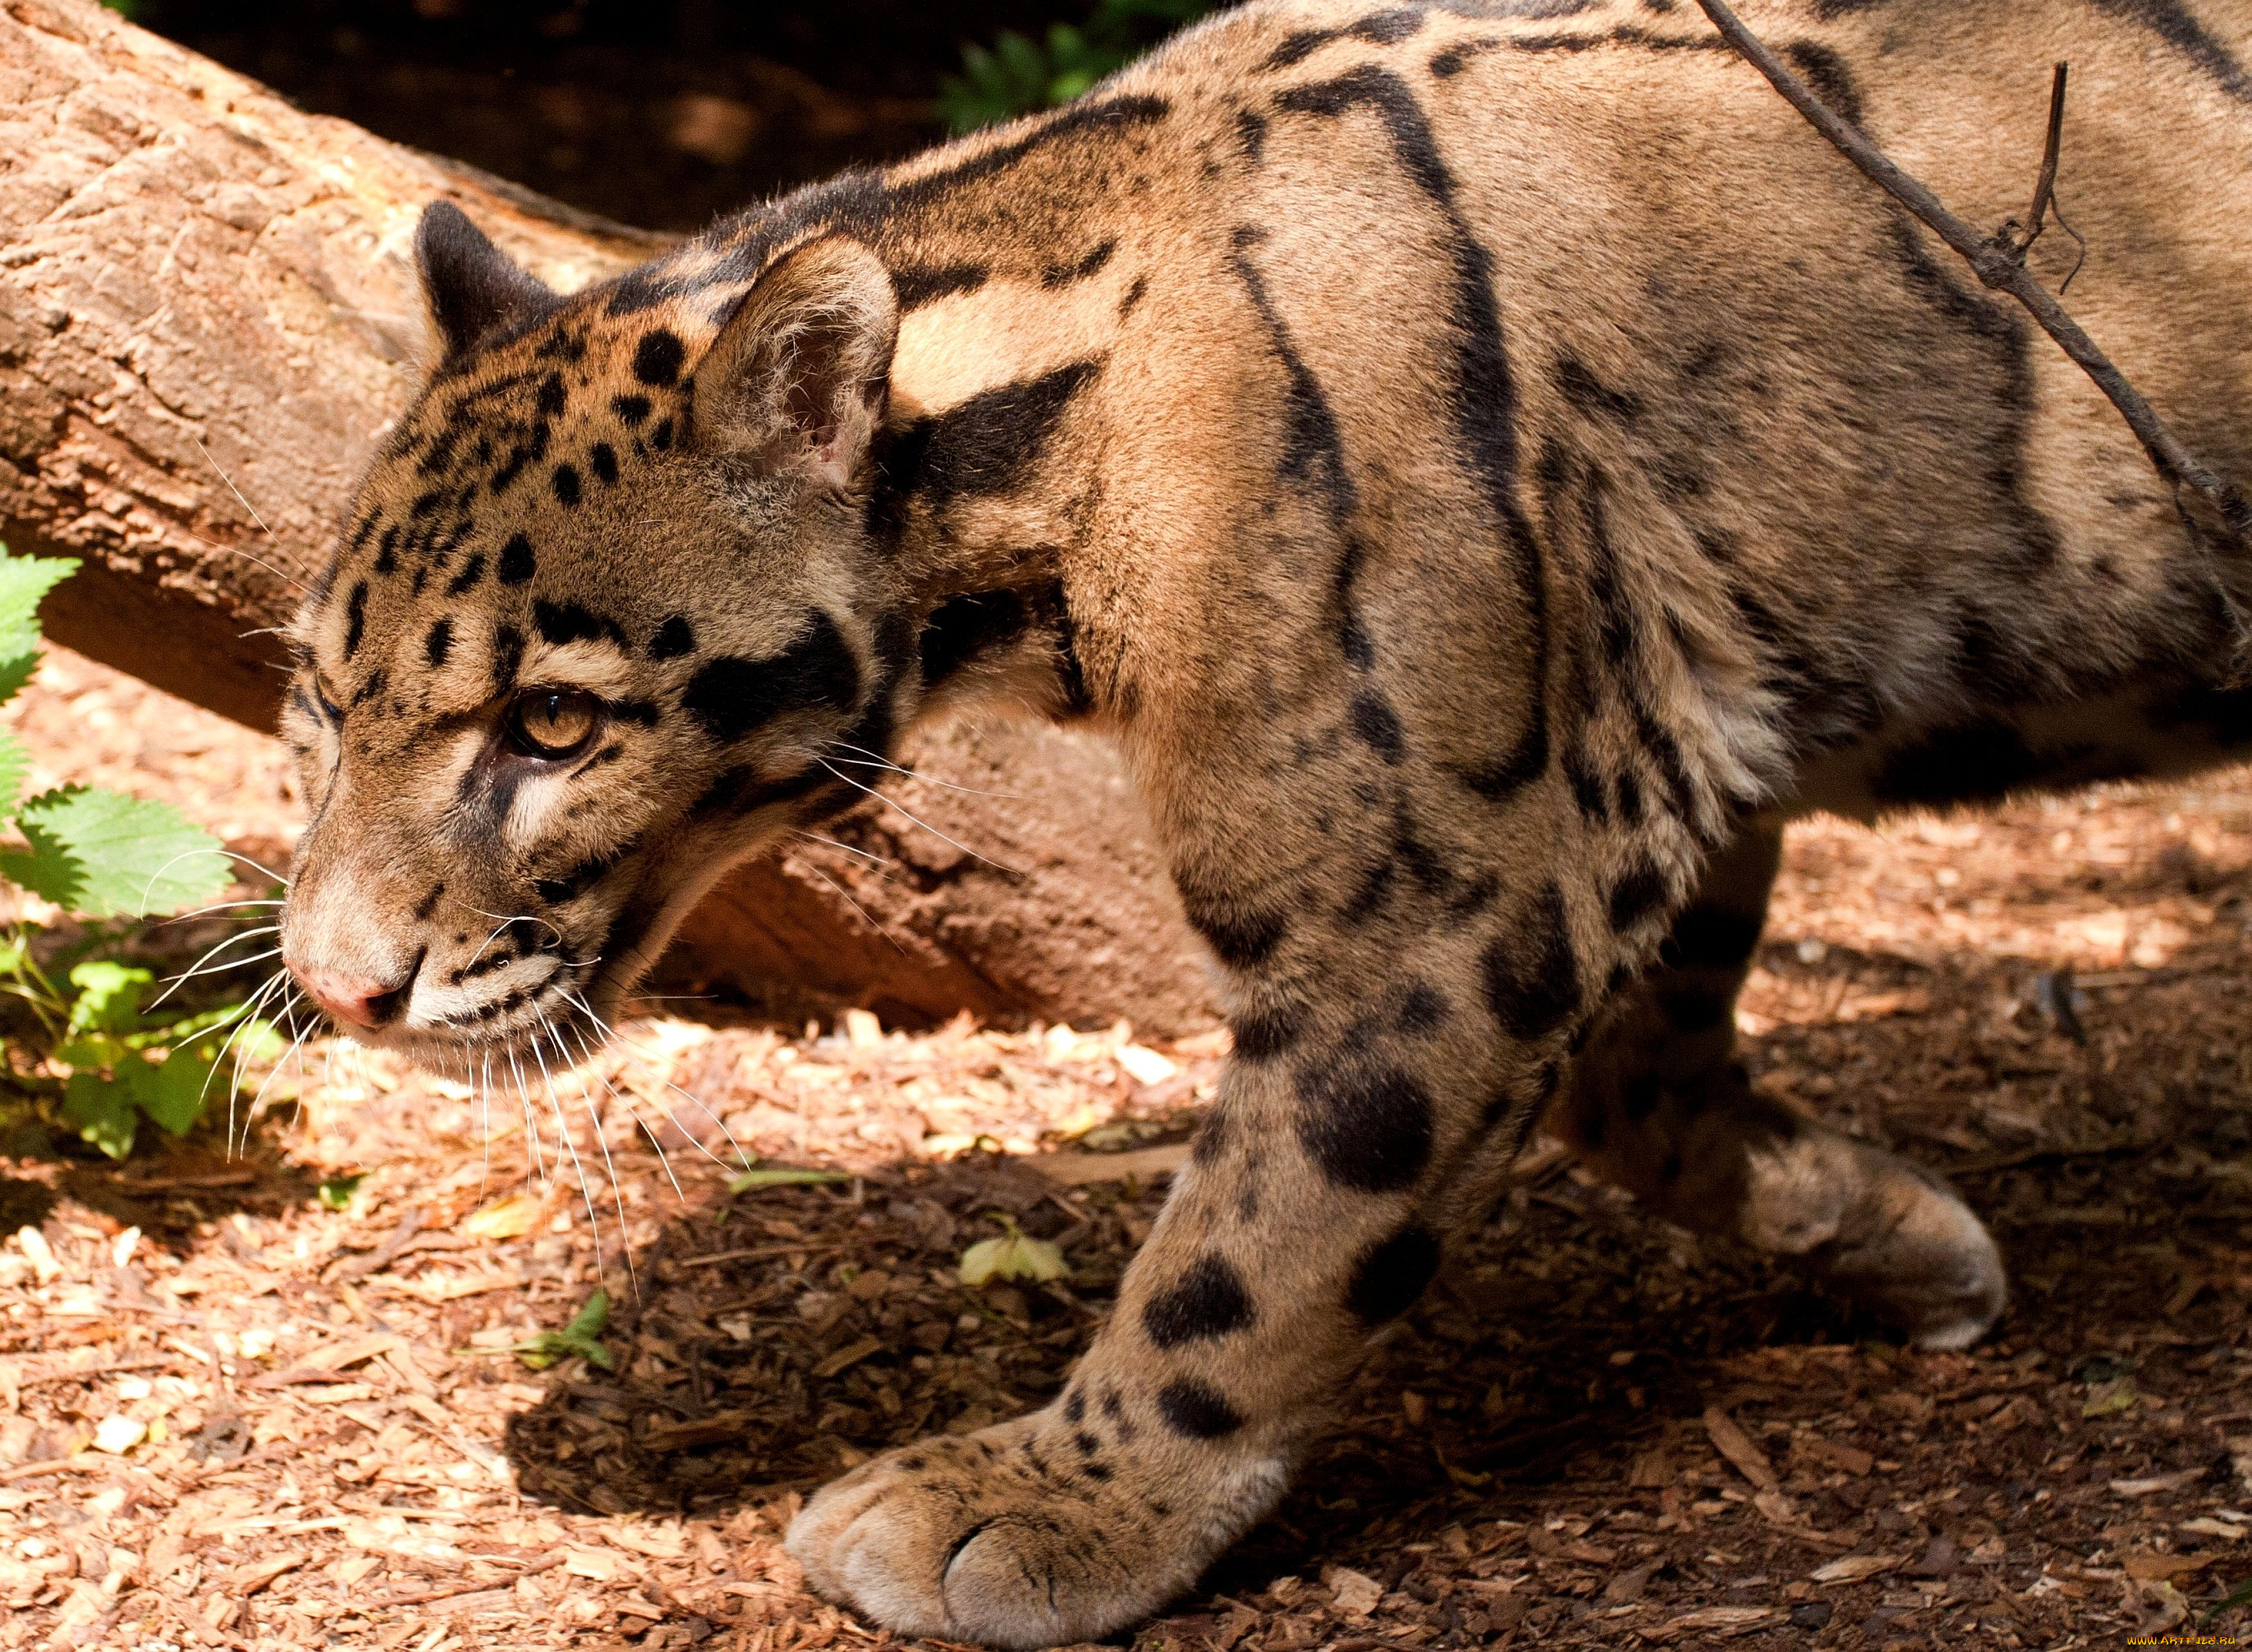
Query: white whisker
[[193, 969], [585, 1009], [866, 916], [875, 759], [925, 824], [882, 860]]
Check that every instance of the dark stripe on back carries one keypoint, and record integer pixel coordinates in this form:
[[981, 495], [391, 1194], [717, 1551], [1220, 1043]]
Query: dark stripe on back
[[1485, 395]]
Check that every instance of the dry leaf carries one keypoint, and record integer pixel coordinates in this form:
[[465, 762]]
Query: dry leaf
[[1854, 1567], [1355, 1593], [1013, 1255], [506, 1219], [2145, 1568], [1733, 1443]]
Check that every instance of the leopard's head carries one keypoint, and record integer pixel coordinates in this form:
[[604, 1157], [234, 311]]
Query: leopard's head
[[608, 613]]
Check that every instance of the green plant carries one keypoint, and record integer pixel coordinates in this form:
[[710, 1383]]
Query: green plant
[[1017, 74], [94, 1056]]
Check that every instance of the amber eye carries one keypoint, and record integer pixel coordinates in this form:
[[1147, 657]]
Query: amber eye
[[554, 723]]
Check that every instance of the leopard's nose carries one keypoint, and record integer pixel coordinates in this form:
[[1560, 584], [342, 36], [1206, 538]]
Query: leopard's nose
[[356, 1000]]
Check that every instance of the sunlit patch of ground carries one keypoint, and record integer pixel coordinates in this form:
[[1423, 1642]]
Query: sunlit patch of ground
[[306, 1428]]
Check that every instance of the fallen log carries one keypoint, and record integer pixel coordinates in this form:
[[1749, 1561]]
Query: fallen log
[[208, 317]]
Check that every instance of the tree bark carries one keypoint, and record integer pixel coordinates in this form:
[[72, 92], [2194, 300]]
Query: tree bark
[[208, 316]]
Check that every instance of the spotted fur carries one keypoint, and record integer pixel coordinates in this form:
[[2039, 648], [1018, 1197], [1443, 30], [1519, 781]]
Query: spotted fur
[[1485, 462]]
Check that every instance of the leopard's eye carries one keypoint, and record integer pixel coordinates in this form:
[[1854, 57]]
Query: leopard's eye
[[330, 708], [554, 723]]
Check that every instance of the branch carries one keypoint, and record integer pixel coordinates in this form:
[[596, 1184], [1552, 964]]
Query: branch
[[1999, 262]]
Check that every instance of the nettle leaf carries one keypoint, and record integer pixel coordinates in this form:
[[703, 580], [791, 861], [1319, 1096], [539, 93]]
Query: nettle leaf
[[102, 1110], [23, 582], [102, 854], [108, 998], [15, 769], [172, 1093]]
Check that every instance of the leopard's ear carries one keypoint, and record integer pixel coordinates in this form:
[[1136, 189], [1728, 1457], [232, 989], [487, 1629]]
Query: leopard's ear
[[470, 284], [799, 375]]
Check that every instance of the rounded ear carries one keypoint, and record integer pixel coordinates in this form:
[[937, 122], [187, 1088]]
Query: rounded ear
[[800, 372], [470, 284]]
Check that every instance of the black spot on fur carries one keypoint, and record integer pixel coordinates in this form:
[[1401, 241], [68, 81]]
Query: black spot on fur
[[1378, 727], [658, 357], [1422, 1012], [1251, 133], [1064, 274], [729, 697], [961, 629], [661, 438], [1134, 294], [1580, 386], [2179, 27], [1635, 897], [580, 878], [631, 409], [1484, 398], [508, 657], [428, 904], [1531, 974], [439, 643], [1207, 1301], [602, 458], [1268, 1029], [985, 445], [1196, 1410], [553, 398], [1242, 936], [355, 617], [1366, 1127], [1392, 1273], [517, 563], [1380, 28], [566, 483], [563, 623], [917, 284], [673, 639]]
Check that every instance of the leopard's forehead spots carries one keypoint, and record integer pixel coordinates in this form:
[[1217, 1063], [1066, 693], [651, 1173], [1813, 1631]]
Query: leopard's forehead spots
[[460, 552]]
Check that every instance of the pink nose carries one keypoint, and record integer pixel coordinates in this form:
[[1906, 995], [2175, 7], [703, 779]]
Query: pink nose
[[352, 999]]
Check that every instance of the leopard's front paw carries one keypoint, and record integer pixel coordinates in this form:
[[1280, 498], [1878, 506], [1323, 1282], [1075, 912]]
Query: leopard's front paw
[[1019, 1537]]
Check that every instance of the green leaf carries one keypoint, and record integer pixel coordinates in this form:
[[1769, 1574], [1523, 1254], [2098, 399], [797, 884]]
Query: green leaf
[[24, 581], [101, 853], [172, 1093], [778, 1175], [101, 1110], [108, 998], [2239, 1596], [15, 769], [337, 1192], [581, 1336]]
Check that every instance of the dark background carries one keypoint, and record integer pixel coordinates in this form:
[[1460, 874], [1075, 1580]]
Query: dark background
[[660, 113]]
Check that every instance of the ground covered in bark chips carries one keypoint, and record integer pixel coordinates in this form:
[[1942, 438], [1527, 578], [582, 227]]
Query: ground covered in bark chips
[[248, 1402]]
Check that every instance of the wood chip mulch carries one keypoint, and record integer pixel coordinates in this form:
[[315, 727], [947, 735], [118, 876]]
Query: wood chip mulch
[[233, 1416]]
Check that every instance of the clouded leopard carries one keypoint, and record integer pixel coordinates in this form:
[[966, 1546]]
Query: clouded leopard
[[1486, 463]]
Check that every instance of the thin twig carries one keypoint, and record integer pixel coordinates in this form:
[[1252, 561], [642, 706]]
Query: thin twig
[[1999, 262]]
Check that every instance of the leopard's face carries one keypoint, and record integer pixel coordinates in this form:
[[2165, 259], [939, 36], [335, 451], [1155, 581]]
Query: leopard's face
[[604, 619]]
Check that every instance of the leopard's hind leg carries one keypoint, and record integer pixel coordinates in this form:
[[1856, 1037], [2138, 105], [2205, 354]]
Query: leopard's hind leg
[[1658, 1104]]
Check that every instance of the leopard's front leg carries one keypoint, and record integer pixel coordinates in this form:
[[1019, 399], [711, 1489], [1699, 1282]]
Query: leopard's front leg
[[1312, 1210]]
